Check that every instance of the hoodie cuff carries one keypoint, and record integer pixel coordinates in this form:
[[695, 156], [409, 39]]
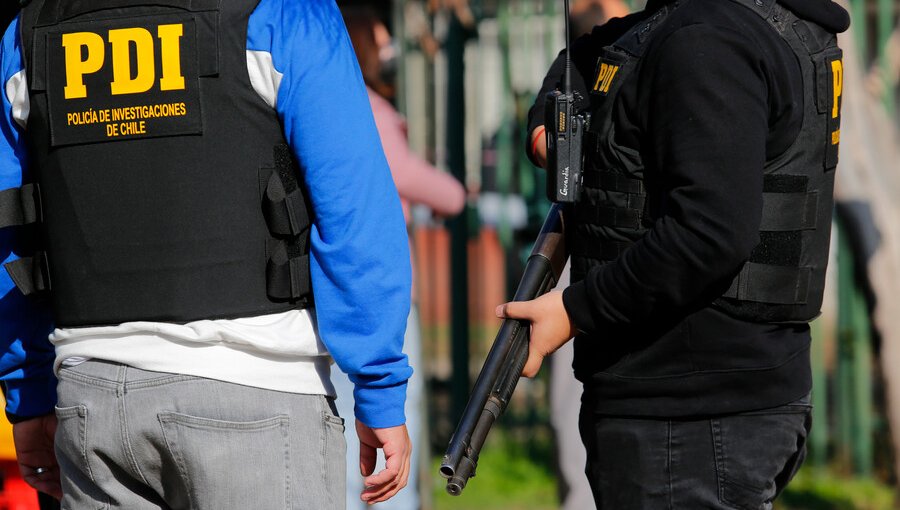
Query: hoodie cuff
[[381, 407], [30, 398]]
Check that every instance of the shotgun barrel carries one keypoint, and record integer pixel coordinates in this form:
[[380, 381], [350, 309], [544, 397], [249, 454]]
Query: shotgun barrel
[[503, 365]]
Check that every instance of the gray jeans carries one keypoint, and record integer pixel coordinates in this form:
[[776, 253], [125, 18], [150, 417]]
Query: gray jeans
[[133, 439]]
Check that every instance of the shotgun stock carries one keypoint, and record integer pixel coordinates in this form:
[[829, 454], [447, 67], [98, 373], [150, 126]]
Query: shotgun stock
[[503, 366]]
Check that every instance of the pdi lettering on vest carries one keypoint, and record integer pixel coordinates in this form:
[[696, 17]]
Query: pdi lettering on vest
[[837, 86], [605, 76], [86, 52], [137, 68]]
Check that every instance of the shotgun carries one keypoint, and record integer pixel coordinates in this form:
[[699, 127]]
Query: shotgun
[[507, 357]]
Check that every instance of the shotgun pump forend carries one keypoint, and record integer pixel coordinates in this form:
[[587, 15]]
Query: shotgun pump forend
[[503, 366]]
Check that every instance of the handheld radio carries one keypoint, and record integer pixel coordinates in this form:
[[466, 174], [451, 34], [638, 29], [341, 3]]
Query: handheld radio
[[565, 131]]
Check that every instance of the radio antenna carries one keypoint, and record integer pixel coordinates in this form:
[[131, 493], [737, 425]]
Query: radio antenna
[[567, 86]]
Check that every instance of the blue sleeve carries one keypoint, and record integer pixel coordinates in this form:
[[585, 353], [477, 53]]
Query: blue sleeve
[[26, 356], [359, 260]]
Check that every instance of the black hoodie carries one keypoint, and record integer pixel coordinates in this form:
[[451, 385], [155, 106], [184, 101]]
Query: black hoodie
[[716, 95]]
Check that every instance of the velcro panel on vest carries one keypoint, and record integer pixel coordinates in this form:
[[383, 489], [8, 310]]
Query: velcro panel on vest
[[787, 206], [19, 206], [789, 211], [287, 272], [778, 248], [785, 183], [31, 275], [610, 216], [764, 283], [284, 205], [601, 250]]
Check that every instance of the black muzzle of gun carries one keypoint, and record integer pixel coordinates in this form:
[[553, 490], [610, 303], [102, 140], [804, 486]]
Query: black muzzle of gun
[[507, 357]]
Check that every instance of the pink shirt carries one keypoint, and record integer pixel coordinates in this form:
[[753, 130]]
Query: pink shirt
[[417, 181]]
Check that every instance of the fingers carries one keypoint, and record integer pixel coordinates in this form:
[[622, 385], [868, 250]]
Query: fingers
[[523, 310], [533, 365], [515, 310], [394, 442], [367, 456], [388, 482], [46, 481], [385, 476], [391, 490], [35, 453]]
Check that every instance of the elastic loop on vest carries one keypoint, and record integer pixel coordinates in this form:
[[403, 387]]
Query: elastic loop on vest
[[285, 212], [784, 212], [764, 283], [287, 274], [31, 275], [614, 181], [19, 206]]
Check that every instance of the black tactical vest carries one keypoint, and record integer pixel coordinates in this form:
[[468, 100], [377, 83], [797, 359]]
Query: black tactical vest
[[783, 280], [164, 188]]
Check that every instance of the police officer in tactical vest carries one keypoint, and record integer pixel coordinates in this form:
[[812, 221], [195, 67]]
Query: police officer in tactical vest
[[181, 216], [698, 244]]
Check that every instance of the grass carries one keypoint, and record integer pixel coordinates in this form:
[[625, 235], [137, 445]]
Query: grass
[[509, 477], [820, 489]]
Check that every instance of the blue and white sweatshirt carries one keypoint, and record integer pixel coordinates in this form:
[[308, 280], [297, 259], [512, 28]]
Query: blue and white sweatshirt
[[297, 54]]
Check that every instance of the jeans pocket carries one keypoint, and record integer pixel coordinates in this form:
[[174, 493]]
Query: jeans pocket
[[756, 454], [229, 464], [334, 456], [336, 422], [71, 445]]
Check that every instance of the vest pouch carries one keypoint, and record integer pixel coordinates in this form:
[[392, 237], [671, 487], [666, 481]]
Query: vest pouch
[[284, 205], [31, 275], [20, 206], [287, 272], [288, 219]]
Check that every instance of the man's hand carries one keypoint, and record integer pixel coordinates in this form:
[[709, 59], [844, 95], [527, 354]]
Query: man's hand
[[34, 449], [394, 441], [550, 326]]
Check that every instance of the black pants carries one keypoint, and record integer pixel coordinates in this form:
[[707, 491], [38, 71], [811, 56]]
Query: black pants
[[738, 461]]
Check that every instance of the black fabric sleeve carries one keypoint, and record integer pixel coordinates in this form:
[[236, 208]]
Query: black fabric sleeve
[[703, 106]]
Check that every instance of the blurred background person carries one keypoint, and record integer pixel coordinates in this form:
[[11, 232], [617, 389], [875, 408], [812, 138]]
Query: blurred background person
[[418, 182]]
